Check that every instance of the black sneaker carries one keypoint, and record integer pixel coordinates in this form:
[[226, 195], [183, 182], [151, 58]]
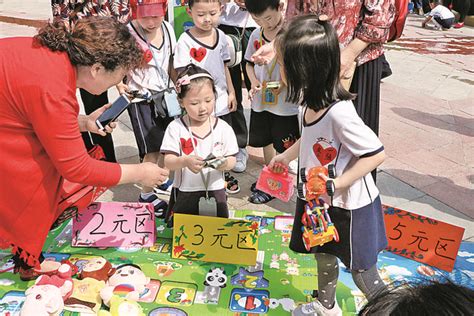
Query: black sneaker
[[159, 205]]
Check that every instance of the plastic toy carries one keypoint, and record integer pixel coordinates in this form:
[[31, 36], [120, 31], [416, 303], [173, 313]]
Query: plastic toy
[[279, 185], [214, 282], [317, 228]]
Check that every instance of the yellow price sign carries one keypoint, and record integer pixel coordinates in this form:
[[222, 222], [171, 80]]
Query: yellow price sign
[[215, 239]]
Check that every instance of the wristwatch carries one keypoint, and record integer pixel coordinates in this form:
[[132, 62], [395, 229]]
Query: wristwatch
[[330, 187]]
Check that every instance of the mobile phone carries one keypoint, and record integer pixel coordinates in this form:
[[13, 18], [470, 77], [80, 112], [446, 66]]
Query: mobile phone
[[112, 113]]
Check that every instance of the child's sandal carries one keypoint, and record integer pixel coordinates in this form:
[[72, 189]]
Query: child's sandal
[[260, 197], [253, 187], [232, 184]]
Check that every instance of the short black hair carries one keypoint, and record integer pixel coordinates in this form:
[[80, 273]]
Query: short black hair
[[259, 6], [311, 57], [192, 2], [192, 69], [434, 298]]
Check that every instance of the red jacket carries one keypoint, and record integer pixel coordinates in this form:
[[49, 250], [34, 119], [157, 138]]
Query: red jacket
[[40, 143]]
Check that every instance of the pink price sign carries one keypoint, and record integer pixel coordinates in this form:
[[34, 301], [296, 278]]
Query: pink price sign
[[114, 224]]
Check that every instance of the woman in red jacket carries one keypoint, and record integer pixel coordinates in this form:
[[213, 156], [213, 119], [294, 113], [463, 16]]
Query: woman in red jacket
[[40, 124]]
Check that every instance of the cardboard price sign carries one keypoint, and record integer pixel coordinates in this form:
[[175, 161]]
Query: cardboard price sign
[[114, 224], [421, 238], [215, 239]]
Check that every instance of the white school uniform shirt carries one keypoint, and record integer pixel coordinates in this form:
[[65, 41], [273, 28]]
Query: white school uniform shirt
[[442, 12], [152, 76], [233, 15], [211, 58], [340, 137], [282, 108], [221, 142]]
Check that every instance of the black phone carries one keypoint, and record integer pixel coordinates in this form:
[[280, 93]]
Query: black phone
[[112, 113]]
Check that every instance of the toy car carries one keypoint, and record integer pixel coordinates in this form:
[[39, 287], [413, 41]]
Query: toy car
[[317, 228]]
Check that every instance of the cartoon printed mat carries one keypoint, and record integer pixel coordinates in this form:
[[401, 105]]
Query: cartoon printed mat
[[177, 285]]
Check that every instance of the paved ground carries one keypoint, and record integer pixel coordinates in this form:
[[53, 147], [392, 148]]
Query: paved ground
[[427, 122]]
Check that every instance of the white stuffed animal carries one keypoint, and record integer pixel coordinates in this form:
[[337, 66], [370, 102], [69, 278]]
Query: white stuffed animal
[[46, 297]]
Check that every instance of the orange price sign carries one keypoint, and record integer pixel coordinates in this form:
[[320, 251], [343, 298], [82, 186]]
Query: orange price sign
[[421, 238]]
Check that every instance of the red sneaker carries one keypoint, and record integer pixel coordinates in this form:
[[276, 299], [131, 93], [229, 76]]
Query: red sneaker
[[458, 25]]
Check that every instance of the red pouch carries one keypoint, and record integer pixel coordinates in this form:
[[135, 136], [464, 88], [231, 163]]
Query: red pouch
[[279, 185]]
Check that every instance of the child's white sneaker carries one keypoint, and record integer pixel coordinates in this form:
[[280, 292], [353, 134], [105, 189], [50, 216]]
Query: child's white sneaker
[[315, 308]]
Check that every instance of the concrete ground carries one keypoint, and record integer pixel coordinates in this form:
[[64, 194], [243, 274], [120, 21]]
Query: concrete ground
[[426, 122]]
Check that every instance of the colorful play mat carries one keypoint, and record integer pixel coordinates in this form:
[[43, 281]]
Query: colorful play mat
[[280, 280]]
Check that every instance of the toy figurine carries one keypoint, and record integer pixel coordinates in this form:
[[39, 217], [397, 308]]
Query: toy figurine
[[215, 280]]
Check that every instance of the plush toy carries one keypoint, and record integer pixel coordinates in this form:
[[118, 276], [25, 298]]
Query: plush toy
[[120, 306], [47, 296], [128, 281], [97, 268], [51, 267], [85, 298]]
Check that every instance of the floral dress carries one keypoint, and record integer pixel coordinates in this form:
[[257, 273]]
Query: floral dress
[[72, 10]]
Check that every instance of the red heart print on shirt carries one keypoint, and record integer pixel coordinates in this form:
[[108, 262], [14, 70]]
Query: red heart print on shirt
[[186, 145], [198, 54], [324, 155], [257, 44]]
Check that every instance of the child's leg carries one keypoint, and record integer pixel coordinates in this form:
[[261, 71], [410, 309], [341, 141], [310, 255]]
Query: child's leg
[[369, 281], [328, 273], [268, 153]]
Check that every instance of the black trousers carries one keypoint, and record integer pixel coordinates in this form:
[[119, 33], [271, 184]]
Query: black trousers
[[91, 103], [237, 118], [366, 86]]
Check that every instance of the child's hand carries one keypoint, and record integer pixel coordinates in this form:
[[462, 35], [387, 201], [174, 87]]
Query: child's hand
[[194, 163], [279, 163], [232, 102], [255, 88], [326, 178]]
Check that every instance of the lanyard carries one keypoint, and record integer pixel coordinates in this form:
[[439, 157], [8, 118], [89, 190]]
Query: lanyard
[[158, 67], [272, 67], [205, 181]]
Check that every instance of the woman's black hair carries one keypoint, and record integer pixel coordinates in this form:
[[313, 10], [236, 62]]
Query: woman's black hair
[[311, 57], [192, 69], [432, 298]]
